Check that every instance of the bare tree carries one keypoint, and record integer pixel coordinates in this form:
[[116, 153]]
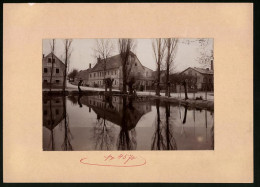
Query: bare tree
[[125, 47], [52, 45], [103, 50], [158, 49], [68, 51], [171, 47]]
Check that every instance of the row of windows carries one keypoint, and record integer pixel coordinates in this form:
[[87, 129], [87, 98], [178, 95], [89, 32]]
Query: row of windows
[[46, 81], [101, 74], [49, 60], [46, 70], [45, 112], [101, 82]]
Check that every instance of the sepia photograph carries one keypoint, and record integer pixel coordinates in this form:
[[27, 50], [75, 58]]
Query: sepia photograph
[[128, 94], [94, 89]]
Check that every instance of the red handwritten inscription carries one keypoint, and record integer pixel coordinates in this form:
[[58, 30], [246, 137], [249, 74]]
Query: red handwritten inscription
[[115, 160]]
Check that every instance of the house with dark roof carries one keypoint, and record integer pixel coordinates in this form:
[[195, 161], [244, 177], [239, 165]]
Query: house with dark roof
[[112, 68], [204, 77], [57, 71], [84, 76]]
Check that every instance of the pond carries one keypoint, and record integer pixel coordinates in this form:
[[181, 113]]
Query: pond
[[97, 122]]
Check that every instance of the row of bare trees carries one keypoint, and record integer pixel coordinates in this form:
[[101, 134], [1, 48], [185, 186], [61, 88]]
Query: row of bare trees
[[67, 55], [164, 53]]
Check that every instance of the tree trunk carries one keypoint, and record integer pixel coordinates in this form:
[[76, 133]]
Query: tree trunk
[[158, 123], [64, 77], [124, 77], [51, 71], [158, 81]]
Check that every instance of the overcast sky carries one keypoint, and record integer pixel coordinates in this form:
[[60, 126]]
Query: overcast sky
[[188, 52]]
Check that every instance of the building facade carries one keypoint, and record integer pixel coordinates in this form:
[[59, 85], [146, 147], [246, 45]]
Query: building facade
[[57, 73], [204, 77], [84, 76], [112, 68]]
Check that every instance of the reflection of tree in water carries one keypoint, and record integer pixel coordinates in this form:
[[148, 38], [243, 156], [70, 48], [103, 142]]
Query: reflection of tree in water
[[184, 121], [66, 145], [163, 138], [212, 132], [52, 143], [103, 130], [127, 135]]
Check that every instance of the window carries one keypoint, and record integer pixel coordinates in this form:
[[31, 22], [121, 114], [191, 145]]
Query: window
[[45, 70], [57, 81], [57, 111], [94, 74], [115, 72], [45, 81], [135, 64], [115, 82], [57, 101], [49, 60], [146, 74], [90, 75], [45, 112], [57, 70]]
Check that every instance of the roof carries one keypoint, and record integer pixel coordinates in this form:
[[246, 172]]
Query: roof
[[162, 73], [49, 55], [147, 68], [112, 63], [83, 74], [201, 70]]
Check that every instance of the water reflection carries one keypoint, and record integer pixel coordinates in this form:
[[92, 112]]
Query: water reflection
[[163, 138], [101, 122], [55, 113]]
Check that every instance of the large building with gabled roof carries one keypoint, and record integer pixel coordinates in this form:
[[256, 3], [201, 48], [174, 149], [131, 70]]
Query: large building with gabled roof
[[57, 72], [113, 67]]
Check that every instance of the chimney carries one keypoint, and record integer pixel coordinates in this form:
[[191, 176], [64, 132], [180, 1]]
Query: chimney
[[89, 65], [211, 65], [42, 55], [98, 59]]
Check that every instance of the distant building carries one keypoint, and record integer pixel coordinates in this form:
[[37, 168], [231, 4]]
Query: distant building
[[162, 76], [142, 74], [57, 73], [84, 76], [204, 77]]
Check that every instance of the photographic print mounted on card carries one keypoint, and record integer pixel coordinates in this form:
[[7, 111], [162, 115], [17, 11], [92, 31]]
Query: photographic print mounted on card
[[128, 94]]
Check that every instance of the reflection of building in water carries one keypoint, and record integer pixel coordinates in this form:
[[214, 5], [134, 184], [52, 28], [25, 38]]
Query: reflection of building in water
[[52, 112], [111, 108]]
